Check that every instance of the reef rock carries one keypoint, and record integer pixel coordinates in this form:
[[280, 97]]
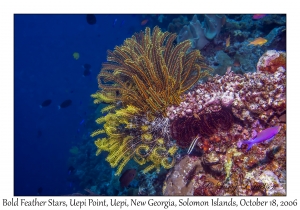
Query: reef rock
[[179, 180]]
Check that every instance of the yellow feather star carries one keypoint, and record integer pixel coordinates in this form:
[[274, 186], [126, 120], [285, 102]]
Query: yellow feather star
[[141, 79]]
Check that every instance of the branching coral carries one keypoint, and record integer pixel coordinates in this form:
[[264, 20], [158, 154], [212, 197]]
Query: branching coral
[[141, 79]]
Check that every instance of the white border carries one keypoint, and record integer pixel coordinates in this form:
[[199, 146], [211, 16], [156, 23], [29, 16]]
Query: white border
[[8, 8]]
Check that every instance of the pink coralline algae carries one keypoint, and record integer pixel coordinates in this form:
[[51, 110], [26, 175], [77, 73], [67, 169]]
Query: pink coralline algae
[[257, 99], [262, 96], [221, 113], [271, 60], [254, 98], [254, 93]]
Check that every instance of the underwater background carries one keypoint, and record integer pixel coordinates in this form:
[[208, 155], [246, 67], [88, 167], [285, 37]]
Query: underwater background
[[56, 62]]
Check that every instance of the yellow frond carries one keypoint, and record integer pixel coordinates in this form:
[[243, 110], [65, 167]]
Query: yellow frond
[[160, 141], [142, 150], [100, 97], [147, 137], [100, 120], [173, 150], [159, 152], [139, 160], [97, 132], [122, 164], [144, 128], [148, 168], [130, 126], [100, 145], [132, 109], [166, 163], [108, 108]]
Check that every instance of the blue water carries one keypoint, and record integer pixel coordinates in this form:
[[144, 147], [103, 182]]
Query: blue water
[[45, 69]]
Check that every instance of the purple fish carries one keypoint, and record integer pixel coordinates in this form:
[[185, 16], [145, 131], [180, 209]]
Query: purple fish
[[265, 135]]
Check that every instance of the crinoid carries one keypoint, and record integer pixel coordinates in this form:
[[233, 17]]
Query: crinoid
[[150, 72], [141, 79], [185, 129]]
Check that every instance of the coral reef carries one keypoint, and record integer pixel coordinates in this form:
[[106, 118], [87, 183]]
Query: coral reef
[[263, 25], [152, 110], [151, 183], [263, 97], [177, 23], [222, 61], [179, 180], [249, 97], [241, 29], [227, 170], [201, 34], [254, 102], [141, 79], [235, 172], [271, 60]]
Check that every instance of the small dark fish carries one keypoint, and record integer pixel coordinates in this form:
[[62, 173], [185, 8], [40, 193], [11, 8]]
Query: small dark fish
[[86, 66], [91, 19], [39, 191], [115, 21], [144, 22], [122, 23], [46, 103], [71, 169], [127, 177], [65, 104], [86, 73]]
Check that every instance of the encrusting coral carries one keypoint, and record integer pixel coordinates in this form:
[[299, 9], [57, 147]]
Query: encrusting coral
[[211, 106], [141, 79]]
